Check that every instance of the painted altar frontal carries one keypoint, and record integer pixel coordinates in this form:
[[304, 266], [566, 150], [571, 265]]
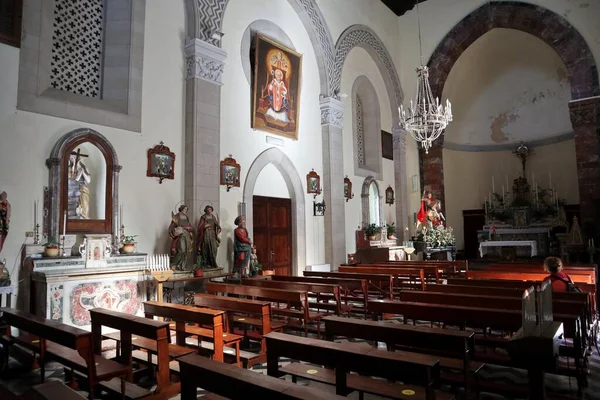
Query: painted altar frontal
[[64, 289]]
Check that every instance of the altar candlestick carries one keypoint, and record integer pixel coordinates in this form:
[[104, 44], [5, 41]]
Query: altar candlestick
[[507, 187], [65, 224], [493, 185], [503, 193], [550, 178], [485, 204], [34, 213]]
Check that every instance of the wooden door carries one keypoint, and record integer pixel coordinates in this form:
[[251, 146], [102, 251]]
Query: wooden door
[[272, 219], [473, 221]]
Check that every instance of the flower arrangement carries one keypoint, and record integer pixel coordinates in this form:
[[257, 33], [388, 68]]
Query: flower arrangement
[[438, 237], [372, 230], [128, 239], [391, 229]]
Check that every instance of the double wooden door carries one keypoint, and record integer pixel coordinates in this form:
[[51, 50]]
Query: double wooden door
[[272, 219]]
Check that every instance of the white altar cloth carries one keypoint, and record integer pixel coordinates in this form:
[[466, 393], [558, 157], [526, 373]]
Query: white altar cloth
[[508, 243]]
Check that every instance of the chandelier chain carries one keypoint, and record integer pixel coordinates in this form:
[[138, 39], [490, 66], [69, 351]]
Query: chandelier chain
[[420, 41]]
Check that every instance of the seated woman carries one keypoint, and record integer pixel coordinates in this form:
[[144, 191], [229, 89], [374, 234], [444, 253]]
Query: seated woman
[[560, 280]]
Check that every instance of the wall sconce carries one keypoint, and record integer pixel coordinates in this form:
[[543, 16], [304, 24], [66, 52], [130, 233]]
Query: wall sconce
[[313, 183], [348, 189], [389, 196], [319, 209]]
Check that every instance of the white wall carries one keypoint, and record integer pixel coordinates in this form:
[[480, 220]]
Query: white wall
[[27, 139]]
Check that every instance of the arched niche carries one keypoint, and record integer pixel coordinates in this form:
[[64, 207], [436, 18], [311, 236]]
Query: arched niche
[[366, 128], [369, 186], [60, 165]]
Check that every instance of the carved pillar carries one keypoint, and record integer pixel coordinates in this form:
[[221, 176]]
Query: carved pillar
[[332, 115], [432, 170], [205, 64], [585, 117], [400, 182]]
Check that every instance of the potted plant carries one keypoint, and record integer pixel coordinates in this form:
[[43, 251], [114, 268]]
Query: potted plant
[[51, 248], [391, 230], [129, 244], [198, 273], [371, 231]]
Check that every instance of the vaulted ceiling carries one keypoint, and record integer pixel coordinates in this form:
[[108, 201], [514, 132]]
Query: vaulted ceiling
[[399, 7]]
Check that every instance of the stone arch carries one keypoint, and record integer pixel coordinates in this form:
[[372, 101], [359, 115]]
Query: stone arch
[[364, 197], [54, 164], [540, 22], [366, 128], [294, 184], [364, 37], [206, 16]]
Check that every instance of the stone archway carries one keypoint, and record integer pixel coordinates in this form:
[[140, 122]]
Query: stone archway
[[294, 184], [582, 71]]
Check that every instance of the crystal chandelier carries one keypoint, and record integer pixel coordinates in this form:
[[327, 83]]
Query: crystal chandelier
[[426, 118]]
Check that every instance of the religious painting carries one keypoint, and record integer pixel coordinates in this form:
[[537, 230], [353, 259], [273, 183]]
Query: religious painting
[[230, 173], [521, 217], [276, 90], [347, 189], [389, 196], [161, 163], [313, 183]]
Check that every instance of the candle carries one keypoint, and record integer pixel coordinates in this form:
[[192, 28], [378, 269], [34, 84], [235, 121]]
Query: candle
[[34, 213], [65, 224], [485, 205], [503, 192], [507, 187], [550, 178], [493, 185], [121, 219]]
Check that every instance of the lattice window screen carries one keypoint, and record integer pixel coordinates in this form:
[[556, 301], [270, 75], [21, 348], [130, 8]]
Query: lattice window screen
[[77, 46], [360, 132], [11, 13]]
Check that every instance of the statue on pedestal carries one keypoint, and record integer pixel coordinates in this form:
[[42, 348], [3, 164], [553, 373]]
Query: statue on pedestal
[[181, 232], [208, 238], [430, 215], [242, 248], [4, 218]]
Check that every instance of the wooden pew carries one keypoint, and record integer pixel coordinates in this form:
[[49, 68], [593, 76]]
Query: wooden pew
[[431, 273], [384, 284], [455, 347], [253, 312], [53, 390], [403, 277], [355, 290], [416, 369], [70, 346], [316, 288], [296, 301], [236, 383], [524, 276], [208, 324], [591, 272], [130, 326]]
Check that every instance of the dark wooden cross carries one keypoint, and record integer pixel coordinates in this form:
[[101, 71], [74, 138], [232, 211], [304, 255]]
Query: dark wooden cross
[[78, 155]]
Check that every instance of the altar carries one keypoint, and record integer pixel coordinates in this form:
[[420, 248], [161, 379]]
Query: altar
[[536, 238], [63, 289], [531, 246]]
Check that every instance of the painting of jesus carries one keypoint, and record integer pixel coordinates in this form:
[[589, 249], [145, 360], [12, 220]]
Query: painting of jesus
[[276, 93]]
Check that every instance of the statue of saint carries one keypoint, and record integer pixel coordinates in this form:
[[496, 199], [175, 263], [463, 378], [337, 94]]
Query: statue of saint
[[181, 232], [4, 218], [242, 248], [208, 237], [430, 215], [81, 175]]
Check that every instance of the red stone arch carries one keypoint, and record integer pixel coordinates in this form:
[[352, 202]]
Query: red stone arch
[[582, 71]]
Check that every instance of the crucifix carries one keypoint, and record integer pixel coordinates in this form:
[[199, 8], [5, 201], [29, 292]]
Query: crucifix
[[78, 156], [522, 152]]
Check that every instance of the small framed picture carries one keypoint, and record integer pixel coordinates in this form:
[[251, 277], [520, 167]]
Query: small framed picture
[[95, 251], [313, 183], [230, 173], [161, 163], [389, 196], [348, 189]]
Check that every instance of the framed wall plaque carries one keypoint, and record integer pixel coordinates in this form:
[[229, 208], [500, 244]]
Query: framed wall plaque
[[230, 173], [161, 163]]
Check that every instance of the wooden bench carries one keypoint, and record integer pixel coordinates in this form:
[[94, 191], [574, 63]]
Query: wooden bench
[[237, 383], [524, 276], [433, 272], [420, 371], [354, 290], [246, 312], [53, 390], [70, 346], [296, 301], [455, 348], [131, 326], [383, 284], [403, 277], [520, 268], [315, 288]]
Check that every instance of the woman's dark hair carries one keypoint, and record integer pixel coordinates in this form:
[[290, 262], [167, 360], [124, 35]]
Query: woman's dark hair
[[553, 264], [182, 207]]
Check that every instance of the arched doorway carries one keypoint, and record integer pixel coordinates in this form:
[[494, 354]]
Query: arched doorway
[[296, 193]]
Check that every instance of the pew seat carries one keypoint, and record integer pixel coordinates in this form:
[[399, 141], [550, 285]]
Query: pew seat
[[175, 351], [229, 339], [51, 391], [276, 325], [141, 356], [362, 384]]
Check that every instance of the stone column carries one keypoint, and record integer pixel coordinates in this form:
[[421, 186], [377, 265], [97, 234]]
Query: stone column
[[400, 182], [332, 115], [585, 117], [205, 64], [432, 170]]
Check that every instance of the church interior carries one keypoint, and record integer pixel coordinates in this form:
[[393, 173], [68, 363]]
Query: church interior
[[299, 199]]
